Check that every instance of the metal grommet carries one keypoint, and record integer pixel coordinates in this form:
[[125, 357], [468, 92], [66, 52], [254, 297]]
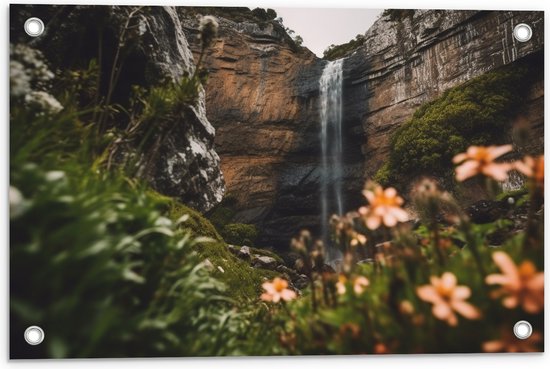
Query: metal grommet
[[522, 32], [523, 329], [34, 335], [34, 27]]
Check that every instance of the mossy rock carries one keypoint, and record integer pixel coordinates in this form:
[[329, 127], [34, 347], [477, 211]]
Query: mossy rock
[[243, 281], [263, 252], [240, 234], [196, 224], [475, 113]]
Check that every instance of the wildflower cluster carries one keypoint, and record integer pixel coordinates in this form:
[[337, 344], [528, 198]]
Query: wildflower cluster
[[425, 282]]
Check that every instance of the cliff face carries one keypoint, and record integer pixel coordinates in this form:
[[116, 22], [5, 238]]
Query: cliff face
[[411, 60], [266, 128], [156, 48], [262, 97]]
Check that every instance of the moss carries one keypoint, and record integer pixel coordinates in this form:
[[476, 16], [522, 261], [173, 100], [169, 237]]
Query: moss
[[475, 113], [240, 234], [243, 281]]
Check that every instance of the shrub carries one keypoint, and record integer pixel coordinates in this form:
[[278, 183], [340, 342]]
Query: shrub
[[334, 52], [475, 113], [240, 234], [102, 241]]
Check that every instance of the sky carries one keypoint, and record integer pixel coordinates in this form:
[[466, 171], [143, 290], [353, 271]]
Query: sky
[[321, 27]]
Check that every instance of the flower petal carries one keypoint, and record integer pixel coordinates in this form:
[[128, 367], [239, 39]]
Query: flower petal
[[448, 281], [442, 311], [496, 151], [389, 219], [461, 293], [373, 222], [492, 346], [428, 293], [288, 295], [507, 266], [469, 169], [465, 309], [497, 171], [459, 158]]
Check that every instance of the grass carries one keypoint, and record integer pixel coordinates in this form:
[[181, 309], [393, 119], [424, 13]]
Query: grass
[[243, 281]]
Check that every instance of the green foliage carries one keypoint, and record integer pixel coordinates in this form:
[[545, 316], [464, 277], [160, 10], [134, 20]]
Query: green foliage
[[105, 260], [117, 260], [243, 281], [240, 234], [195, 223], [334, 52], [398, 15], [475, 113], [264, 14], [223, 213]]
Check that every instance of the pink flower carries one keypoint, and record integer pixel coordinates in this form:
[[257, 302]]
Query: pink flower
[[359, 284], [521, 285], [532, 168], [448, 298], [277, 290], [480, 160], [510, 343], [384, 207]]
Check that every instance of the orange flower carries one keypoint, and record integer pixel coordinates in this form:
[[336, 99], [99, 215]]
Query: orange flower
[[341, 284], [380, 348], [359, 284], [447, 298], [532, 168], [509, 343], [277, 290], [384, 207], [522, 286], [480, 160]]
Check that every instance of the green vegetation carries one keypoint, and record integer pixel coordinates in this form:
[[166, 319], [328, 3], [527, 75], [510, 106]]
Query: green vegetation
[[334, 52], [109, 255], [475, 113], [240, 234], [243, 281], [398, 15]]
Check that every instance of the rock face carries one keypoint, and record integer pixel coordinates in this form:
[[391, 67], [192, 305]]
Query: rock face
[[262, 97], [267, 129], [413, 59], [187, 167]]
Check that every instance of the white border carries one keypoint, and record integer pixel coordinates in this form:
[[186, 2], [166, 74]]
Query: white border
[[501, 361]]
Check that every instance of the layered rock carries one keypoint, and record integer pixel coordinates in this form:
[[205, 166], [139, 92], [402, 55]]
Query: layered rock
[[414, 57], [155, 48], [262, 97], [266, 127]]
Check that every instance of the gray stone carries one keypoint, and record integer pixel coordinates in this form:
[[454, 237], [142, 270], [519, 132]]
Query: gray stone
[[264, 262], [244, 253]]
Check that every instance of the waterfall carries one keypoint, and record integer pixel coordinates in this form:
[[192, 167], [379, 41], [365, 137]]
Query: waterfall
[[330, 87]]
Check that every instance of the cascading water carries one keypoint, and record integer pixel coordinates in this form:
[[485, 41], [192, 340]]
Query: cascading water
[[330, 87]]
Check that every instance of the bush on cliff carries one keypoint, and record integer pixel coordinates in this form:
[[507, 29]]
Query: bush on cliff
[[475, 113]]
